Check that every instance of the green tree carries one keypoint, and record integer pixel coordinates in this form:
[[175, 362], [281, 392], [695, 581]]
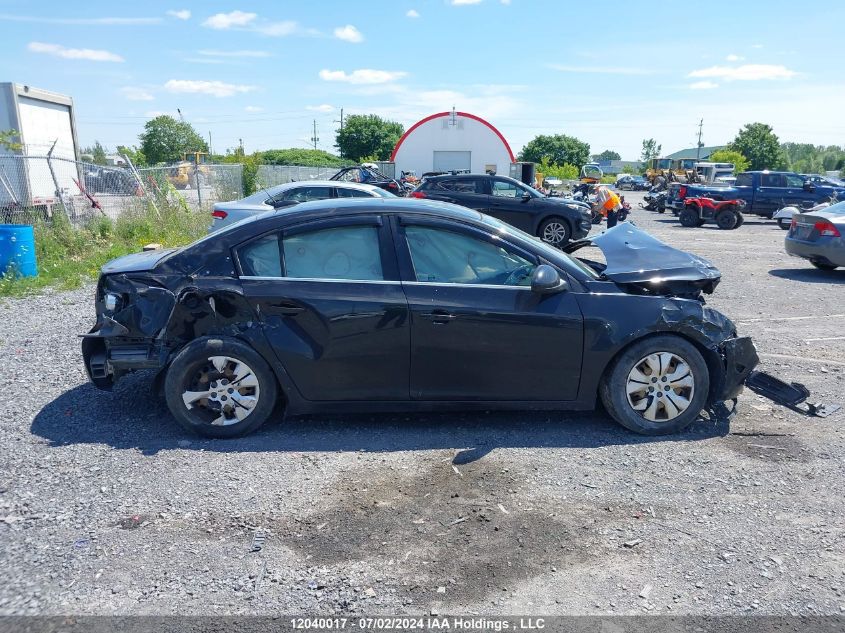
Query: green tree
[[165, 139], [9, 140], [558, 149], [607, 154], [564, 172], [134, 154], [367, 135], [759, 144], [304, 157], [651, 149], [730, 156], [97, 153]]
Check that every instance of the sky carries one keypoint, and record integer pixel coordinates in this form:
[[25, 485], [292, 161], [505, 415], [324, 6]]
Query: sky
[[609, 73]]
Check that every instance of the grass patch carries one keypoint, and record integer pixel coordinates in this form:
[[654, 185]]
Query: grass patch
[[68, 256]]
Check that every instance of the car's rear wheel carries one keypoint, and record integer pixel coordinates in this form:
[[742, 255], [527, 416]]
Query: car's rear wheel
[[823, 265], [656, 386], [689, 217], [784, 223], [555, 231], [727, 219], [740, 220], [220, 387]]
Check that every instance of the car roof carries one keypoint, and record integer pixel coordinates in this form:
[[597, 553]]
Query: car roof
[[447, 176], [323, 183]]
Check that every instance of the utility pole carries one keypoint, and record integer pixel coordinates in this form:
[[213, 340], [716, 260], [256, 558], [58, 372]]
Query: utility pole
[[700, 144], [314, 138], [241, 145], [341, 129], [209, 142]]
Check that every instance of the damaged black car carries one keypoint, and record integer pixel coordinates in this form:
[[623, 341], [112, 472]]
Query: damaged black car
[[403, 305]]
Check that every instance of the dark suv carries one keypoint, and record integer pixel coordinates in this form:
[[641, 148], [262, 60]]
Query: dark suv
[[555, 220]]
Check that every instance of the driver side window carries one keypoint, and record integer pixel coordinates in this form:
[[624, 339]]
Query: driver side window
[[505, 189], [442, 256]]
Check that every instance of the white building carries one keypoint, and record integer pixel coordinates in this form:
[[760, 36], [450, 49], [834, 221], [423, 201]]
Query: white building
[[450, 141]]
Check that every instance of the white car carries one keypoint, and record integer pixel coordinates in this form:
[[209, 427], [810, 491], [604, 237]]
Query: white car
[[784, 216], [280, 196]]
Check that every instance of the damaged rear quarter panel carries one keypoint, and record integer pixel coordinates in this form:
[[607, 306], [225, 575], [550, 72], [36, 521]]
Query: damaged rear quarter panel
[[613, 320]]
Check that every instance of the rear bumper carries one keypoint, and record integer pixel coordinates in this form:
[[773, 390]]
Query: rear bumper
[[828, 250], [105, 363]]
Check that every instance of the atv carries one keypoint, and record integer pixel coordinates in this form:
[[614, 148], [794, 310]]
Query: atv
[[727, 214]]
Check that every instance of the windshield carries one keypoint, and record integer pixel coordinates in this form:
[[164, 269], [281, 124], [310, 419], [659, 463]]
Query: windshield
[[545, 250]]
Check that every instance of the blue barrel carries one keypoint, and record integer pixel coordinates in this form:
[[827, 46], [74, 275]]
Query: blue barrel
[[17, 250]]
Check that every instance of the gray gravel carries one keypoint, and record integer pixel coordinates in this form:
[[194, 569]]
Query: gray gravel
[[106, 507]]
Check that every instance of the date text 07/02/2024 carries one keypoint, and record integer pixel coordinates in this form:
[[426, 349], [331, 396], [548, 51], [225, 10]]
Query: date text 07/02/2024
[[406, 623]]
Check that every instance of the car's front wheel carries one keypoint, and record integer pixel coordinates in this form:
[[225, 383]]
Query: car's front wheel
[[656, 386], [555, 231], [784, 223], [220, 387]]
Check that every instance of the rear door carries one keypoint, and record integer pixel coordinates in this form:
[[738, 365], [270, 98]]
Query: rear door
[[467, 191], [332, 308]]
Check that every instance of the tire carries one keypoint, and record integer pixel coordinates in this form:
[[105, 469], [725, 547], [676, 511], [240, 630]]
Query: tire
[[740, 220], [555, 231], [688, 383], [823, 265], [689, 217], [727, 219], [784, 223], [210, 366]]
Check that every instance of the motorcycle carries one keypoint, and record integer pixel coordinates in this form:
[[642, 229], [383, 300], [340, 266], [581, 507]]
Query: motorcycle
[[654, 200], [785, 214]]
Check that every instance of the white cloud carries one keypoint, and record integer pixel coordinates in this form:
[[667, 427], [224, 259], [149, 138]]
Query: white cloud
[[109, 21], [88, 54], [505, 1], [412, 13], [132, 93], [253, 109], [746, 72], [703, 85], [213, 88], [325, 108], [241, 53], [362, 76], [460, 2], [602, 70], [734, 58], [279, 29], [223, 21], [348, 33], [756, 46], [180, 14]]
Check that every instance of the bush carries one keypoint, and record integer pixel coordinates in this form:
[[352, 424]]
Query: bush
[[68, 256]]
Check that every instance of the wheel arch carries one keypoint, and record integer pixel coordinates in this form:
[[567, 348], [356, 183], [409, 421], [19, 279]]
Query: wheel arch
[[712, 358]]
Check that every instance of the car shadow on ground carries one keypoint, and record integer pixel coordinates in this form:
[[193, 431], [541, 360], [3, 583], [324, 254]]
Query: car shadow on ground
[[131, 418], [712, 225], [810, 275]]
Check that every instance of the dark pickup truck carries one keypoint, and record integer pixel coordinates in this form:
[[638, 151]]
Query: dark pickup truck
[[764, 192]]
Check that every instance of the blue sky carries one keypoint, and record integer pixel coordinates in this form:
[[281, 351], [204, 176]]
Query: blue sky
[[610, 73]]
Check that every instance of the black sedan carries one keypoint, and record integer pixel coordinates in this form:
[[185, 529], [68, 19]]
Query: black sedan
[[397, 305]]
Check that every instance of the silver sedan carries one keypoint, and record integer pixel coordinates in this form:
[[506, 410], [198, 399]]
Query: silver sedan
[[280, 196]]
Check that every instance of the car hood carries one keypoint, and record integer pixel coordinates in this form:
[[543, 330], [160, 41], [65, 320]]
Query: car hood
[[640, 261], [567, 201], [136, 262]]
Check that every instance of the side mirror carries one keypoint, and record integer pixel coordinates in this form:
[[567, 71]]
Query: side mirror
[[546, 280], [526, 197], [808, 186]]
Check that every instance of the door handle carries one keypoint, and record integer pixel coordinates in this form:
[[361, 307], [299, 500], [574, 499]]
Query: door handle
[[440, 317], [286, 308]]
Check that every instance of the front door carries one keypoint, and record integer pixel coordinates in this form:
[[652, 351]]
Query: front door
[[507, 202], [478, 332], [332, 307]]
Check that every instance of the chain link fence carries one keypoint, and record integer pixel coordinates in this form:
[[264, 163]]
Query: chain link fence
[[272, 175], [34, 188]]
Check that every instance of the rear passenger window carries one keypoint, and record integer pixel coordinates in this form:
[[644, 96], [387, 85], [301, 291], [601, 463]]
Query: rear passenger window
[[261, 257], [349, 252], [773, 180], [458, 185], [353, 193], [743, 180]]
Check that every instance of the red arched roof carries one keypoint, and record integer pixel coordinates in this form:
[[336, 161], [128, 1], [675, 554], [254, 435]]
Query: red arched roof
[[442, 114]]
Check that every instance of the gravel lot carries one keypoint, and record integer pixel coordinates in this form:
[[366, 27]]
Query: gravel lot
[[106, 507]]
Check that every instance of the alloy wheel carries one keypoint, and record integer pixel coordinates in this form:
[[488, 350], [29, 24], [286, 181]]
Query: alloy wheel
[[554, 233], [223, 391], [660, 386]]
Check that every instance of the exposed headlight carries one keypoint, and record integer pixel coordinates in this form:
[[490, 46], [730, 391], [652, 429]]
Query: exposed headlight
[[111, 301]]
